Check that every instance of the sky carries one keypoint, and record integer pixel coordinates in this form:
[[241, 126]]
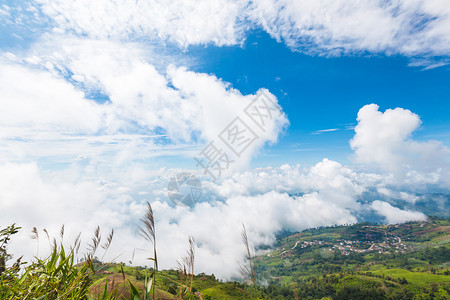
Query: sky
[[298, 113]]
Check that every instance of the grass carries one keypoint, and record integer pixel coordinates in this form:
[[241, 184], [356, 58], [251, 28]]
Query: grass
[[186, 271], [248, 268], [418, 278], [147, 231], [54, 277]]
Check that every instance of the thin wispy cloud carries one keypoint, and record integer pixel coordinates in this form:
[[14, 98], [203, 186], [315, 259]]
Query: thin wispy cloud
[[305, 149], [410, 28], [325, 130], [416, 29]]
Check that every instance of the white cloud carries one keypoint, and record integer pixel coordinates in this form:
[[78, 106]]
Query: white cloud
[[328, 177], [417, 29], [340, 27], [41, 101], [396, 215], [182, 22], [409, 197], [384, 141], [325, 130], [146, 102], [30, 198]]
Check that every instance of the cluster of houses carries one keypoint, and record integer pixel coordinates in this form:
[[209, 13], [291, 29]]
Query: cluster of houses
[[390, 243]]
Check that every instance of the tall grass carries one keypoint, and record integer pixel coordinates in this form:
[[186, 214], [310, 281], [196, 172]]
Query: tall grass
[[58, 276], [147, 231], [248, 267], [186, 270]]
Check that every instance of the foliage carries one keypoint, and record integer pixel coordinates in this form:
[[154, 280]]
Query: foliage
[[57, 276], [5, 237]]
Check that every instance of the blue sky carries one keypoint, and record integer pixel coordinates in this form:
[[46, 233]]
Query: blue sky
[[320, 93], [103, 102]]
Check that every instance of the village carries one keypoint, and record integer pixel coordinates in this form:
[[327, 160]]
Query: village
[[375, 239]]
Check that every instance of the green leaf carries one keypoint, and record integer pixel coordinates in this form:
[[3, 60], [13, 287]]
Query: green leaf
[[134, 292]]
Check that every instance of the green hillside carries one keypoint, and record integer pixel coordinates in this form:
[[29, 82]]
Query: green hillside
[[386, 261]]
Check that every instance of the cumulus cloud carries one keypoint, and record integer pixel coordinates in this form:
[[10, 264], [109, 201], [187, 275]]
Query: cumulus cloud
[[384, 141], [151, 107], [328, 177]]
